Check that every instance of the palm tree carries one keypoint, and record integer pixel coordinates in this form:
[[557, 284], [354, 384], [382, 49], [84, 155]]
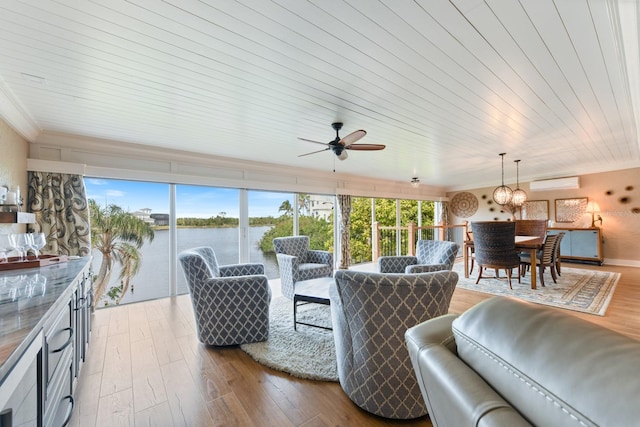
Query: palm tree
[[286, 208], [118, 235]]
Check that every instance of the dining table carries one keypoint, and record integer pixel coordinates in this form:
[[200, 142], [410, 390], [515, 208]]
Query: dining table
[[532, 244]]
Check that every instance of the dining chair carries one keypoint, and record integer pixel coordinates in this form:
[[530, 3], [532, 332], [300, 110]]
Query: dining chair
[[531, 227], [472, 250], [547, 259], [495, 247], [556, 254]]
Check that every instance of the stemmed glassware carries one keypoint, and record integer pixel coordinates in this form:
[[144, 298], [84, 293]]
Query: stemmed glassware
[[5, 246], [20, 242], [38, 241]]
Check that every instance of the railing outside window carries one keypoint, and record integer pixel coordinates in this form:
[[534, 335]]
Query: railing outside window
[[384, 243]]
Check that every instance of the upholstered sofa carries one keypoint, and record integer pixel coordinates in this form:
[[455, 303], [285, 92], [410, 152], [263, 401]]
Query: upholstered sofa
[[505, 362]]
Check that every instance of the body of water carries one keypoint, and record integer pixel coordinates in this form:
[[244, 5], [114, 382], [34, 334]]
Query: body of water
[[153, 279]]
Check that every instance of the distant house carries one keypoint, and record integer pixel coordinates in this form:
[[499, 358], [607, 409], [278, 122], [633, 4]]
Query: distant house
[[321, 207], [143, 214], [160, 219]]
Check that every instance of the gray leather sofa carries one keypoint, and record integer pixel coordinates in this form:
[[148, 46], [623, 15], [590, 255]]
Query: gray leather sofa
[[505, 362]]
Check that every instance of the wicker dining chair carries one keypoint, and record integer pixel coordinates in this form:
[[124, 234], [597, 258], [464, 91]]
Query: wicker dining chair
[[495, 247]]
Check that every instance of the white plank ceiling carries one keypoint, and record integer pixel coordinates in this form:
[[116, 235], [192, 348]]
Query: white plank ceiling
[[446, 85]]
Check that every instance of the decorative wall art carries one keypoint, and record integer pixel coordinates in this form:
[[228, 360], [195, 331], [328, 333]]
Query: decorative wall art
[[464, 204], [570, 210], [535, 209]]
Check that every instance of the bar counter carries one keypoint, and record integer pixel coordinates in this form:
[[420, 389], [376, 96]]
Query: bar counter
[[27, 298]]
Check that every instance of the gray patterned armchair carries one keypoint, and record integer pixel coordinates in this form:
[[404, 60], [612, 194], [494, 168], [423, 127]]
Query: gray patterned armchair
[[296, 262], [431, 255], [230, 302], [370, 314]]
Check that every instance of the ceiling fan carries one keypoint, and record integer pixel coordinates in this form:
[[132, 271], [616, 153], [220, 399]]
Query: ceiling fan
[[340, 145]]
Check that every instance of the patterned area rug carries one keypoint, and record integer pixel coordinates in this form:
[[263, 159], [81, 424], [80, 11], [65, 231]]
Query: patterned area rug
[[588, 291], [306, 353]]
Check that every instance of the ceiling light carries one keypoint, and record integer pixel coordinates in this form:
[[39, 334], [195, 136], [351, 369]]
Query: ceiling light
[[343, 155], [519, 197], [415, 182], [502, 195]]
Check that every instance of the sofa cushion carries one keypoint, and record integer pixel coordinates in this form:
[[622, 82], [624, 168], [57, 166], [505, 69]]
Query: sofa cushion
[[553, 367]]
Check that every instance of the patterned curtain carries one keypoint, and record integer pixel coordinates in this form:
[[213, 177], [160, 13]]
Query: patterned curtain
[[344, 205], [59, 202]]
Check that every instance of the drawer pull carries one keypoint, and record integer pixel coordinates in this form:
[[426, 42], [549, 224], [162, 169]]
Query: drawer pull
[[69, 341], [73, 402]]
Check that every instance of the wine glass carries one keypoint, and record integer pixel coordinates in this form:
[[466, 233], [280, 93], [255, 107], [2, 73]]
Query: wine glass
[[38, 241], [5, 246], [20, 242]]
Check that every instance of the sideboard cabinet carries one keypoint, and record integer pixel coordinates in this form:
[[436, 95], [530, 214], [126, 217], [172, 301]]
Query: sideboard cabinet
[[44, 335], [580, 244]]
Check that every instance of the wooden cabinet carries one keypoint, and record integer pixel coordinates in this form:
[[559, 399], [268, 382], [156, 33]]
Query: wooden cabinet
[[580, 244]]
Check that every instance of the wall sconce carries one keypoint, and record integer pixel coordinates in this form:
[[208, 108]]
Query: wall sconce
[[415, 182], [592, 208]]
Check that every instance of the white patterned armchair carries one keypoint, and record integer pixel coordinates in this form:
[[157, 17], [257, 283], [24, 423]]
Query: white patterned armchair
[[230, 302], [370, 315], [297, 262], [431, 255]]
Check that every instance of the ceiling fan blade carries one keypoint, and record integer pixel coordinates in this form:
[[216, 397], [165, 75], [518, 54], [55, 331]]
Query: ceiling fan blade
[[353, 137], [365, 147], [310, 140], [314, 152]]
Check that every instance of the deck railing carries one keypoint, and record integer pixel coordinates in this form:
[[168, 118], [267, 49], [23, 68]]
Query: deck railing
[[395, 241]]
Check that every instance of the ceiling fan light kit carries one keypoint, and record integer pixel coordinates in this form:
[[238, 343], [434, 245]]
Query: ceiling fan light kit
[[340, 145]]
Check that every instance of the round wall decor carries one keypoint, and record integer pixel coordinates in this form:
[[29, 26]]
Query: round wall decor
[[464, 204]]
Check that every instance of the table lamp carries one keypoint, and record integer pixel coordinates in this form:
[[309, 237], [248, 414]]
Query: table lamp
[[592, 207]]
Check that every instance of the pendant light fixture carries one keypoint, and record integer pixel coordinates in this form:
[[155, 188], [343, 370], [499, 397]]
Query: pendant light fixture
[[502, 195], [519, 197]]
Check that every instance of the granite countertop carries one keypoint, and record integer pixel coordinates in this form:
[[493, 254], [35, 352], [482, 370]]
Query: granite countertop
[[26, 297]]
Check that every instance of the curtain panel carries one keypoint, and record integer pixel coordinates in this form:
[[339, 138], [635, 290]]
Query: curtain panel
[[344, 205], [59, 202]]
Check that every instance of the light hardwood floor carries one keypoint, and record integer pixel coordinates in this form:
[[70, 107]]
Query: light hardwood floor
[[145, 367]]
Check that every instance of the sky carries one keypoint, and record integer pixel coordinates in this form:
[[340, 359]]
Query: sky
[[191, 200]]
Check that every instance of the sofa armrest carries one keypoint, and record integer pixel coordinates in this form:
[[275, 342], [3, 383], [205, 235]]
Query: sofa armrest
[[247, 269], [425, 268], [455, 395], [395, 264]]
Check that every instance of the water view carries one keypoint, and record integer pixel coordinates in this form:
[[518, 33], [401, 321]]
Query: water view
[[153, 279]]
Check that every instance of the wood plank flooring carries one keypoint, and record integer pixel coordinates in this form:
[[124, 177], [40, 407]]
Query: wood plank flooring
[[145, 367]]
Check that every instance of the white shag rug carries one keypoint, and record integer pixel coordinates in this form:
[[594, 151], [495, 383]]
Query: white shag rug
[[306, 353]]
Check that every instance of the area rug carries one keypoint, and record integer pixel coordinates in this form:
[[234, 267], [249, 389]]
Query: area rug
[[306, 353], [587, 291]]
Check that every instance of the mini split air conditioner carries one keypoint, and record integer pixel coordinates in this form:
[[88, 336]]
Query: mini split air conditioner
[[568, 183]]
